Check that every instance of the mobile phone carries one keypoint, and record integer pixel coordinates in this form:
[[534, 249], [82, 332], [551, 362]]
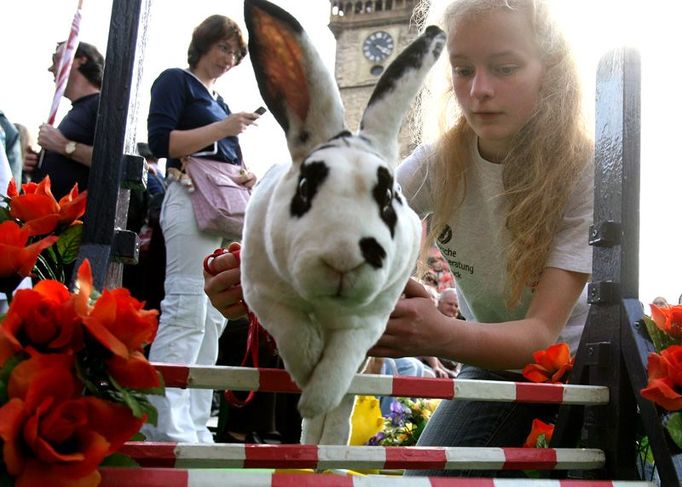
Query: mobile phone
[[260, 110]]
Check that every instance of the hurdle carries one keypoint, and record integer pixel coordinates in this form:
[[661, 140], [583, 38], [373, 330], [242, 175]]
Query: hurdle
[[611, 356]]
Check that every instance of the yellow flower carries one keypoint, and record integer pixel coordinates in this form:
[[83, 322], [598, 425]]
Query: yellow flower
[[366, 420]]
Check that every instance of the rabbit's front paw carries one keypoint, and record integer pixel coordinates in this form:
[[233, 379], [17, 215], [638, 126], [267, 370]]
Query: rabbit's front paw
[[318, 399]]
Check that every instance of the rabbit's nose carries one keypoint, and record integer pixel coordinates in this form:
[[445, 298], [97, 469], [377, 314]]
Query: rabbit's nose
[[373, 252]]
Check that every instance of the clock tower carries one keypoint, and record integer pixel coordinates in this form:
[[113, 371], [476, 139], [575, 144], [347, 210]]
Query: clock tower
[[369, 34]]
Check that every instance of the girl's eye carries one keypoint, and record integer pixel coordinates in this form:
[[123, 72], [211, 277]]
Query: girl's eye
[[462, 71], [506, 69]]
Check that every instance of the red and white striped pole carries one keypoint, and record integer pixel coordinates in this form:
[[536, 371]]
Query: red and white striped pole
[[65, 62]]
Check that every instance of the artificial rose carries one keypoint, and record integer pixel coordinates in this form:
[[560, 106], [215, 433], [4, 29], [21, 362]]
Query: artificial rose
[[37, 207], [16, 258], [119, 322], [8, 347], [51, 434], [665, 378], [552, 364], [668, 319], [44, 319], [537, 430]]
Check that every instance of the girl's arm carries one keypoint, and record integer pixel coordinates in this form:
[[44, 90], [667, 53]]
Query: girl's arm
[[416, 327]]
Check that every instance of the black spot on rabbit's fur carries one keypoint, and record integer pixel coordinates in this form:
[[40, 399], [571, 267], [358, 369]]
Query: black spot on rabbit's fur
[[373, 252], [383, 195], [411, 58], [311, 178], [342, 134]]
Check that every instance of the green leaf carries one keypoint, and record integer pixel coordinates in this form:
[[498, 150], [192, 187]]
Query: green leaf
[[674, 427], [4, 214], [541, 441], [659, 338], [69, 243], [6, 371], [119, 460], [138, 437], [5, 479]]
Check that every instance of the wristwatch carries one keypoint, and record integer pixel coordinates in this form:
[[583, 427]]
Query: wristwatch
[[70, 148]]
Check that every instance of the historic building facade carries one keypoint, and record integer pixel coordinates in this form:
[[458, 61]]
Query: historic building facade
[[369, 34]]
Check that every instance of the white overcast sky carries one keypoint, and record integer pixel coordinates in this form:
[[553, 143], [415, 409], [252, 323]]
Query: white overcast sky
[[29, 30]]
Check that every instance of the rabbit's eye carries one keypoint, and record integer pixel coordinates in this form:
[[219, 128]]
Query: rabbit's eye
[[388, 199], [303, 188]]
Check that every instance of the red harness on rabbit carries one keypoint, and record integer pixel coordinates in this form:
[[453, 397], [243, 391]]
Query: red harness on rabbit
[[256, 331]]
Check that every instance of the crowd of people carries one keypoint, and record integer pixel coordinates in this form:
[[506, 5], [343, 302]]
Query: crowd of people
[[505, 185]]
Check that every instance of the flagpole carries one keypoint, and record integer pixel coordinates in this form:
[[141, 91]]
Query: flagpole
[[64, 69]]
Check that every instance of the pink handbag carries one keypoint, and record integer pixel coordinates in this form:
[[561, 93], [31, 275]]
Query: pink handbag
[[218, 198]]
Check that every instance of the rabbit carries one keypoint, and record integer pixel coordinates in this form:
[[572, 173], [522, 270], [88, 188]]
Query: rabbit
[[329, 241]]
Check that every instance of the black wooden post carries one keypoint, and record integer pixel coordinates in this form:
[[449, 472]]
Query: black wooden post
[[615, 237], [106, 243]]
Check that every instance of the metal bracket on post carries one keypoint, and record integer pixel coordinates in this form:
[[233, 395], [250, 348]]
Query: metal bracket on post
[[125, 247], [134, 172], [606, 234], [597, 354], [603, 292]]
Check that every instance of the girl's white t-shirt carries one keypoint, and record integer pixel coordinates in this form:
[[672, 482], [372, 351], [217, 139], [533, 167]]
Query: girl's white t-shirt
[[474, 242]]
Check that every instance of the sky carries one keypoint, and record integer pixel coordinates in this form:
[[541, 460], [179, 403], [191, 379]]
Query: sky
[[29, 30]]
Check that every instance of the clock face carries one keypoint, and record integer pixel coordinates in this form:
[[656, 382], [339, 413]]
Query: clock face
[[378, 46]]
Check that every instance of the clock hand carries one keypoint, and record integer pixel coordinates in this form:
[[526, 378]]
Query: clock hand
[[384, 50]]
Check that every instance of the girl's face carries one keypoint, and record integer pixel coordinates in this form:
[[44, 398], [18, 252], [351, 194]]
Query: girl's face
[[496, 75], [220, 58]]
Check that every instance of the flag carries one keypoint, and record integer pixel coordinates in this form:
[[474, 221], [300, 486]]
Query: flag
[[65, 62]]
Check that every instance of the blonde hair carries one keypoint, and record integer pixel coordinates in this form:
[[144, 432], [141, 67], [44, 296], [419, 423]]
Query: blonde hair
[[548, 154]]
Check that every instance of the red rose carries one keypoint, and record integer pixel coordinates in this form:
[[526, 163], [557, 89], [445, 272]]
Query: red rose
[[44, 319], [16, 258], [119, 322], [665, 378], [552, 364], [52, 435], [538, 429], [40, 211], [668, 319]]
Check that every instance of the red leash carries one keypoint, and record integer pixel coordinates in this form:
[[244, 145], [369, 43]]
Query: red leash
[[255, 332]]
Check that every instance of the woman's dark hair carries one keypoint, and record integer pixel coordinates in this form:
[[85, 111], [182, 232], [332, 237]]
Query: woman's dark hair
[[93, 67], [214, 29]]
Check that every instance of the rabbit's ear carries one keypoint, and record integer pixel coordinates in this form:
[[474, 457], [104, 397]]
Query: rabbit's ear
[[395, 90], [293, 81]]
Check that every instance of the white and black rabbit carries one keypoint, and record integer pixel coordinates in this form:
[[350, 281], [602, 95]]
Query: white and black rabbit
[[329, 241]]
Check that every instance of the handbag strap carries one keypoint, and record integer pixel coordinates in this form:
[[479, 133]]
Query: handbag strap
[[256, 331], [221, 103]]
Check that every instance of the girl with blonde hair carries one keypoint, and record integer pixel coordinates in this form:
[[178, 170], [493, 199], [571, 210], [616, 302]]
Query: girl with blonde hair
[[507, 185]]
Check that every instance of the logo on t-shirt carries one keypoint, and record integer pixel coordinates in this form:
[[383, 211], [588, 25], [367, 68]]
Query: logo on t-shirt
[[446, 235]]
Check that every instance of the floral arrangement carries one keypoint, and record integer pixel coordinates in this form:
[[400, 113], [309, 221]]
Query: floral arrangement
[[73, 376], [31, 222], [664, 366], [552, 365], [405, 422], [540, 435]]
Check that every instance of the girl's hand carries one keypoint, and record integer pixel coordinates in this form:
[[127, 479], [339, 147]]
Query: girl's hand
[[223, 285], [236, 123], [415, 328]]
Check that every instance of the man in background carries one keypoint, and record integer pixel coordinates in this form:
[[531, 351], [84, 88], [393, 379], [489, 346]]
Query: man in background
[[68, 147]]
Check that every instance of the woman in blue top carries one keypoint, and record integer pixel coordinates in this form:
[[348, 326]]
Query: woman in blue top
[[186, 117]]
